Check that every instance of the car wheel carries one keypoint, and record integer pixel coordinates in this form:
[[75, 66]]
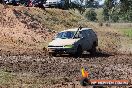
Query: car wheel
[[79, 51], [93, 50], [52, 54]]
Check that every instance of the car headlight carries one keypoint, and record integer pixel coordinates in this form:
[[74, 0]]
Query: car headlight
[[68, 46]]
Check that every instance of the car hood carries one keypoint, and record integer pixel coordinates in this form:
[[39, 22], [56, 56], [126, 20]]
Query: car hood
[[63, 42]]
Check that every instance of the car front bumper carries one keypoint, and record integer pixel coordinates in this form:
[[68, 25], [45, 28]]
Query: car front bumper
[[62, 50]]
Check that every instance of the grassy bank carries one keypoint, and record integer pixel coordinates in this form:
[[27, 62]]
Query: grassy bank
[[128, 32]]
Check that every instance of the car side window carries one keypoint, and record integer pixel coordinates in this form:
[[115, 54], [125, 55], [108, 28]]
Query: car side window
[[84, 33], [88, 33], [92, 32]]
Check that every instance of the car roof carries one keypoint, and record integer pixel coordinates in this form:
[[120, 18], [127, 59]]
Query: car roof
[[75, 29]]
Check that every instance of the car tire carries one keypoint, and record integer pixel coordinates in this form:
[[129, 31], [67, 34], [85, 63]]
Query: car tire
[[93, 50], [52, 54], [79, 51]]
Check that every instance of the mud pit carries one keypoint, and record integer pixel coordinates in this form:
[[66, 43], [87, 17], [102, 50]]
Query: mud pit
[[64, 71]]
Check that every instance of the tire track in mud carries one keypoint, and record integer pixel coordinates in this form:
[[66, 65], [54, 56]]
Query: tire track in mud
[[100, 66]]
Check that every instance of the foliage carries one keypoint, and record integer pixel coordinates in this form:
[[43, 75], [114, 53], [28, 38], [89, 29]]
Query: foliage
[[115, 11], [106, 14], [76, 5], [91, 15]]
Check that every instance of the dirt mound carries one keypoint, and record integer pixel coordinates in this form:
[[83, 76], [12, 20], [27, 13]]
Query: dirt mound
[[27, 30], [19, 31]]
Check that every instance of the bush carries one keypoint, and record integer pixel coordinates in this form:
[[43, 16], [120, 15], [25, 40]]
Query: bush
[[91, 15], [115, 17]]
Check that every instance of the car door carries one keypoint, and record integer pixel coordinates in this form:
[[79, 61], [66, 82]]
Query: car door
[[90, 39], [81, 40], [85, 40]]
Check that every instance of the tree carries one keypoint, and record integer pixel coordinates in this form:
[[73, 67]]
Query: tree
[[76, 5], [114, 11], [126, 10], [109, 9], [126, 5]]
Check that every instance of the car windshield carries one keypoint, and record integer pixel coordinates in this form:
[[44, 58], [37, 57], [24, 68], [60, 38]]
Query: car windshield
[[65, 35]]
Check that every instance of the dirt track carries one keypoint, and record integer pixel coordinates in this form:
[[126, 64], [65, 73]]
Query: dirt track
[[65, 69]]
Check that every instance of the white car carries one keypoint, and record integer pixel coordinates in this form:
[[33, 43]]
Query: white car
[[74, 41], [54, 3]]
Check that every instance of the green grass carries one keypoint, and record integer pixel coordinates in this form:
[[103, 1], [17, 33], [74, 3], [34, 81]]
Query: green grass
[[128, 32], [5, 78]]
